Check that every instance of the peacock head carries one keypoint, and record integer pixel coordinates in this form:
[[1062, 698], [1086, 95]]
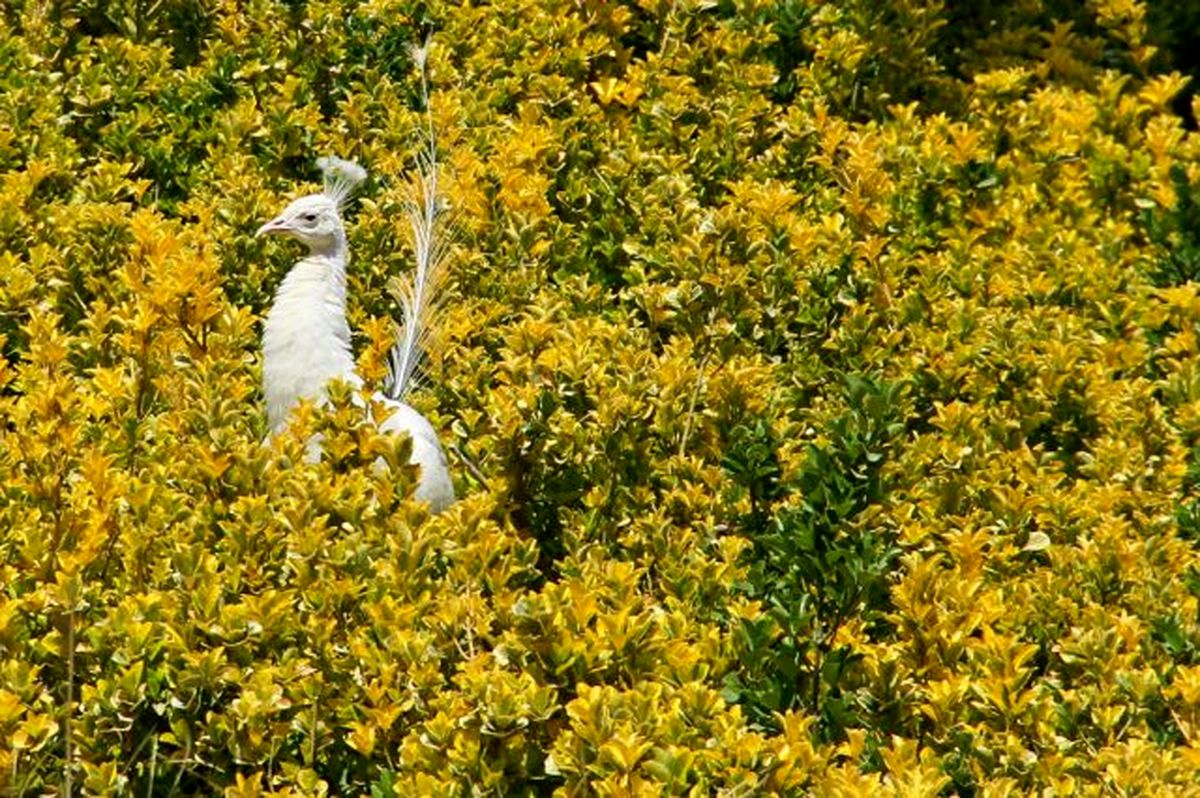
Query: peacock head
[[313, 221], [316, 220]]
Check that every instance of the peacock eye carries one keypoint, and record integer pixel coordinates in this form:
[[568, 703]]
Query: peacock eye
[[309, 217]]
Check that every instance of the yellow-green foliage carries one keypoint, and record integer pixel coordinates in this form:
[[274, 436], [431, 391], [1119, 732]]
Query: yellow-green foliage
[[832, 371]]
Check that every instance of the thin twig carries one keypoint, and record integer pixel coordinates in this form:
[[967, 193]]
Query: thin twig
[[700, 380], [470, 464], [153, 764], [70, 709]]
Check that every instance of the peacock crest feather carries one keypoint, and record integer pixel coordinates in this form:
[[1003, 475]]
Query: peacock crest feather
[[340, 178]]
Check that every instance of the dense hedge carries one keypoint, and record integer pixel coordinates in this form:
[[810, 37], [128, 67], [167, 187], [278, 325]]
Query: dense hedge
[[832, 371]]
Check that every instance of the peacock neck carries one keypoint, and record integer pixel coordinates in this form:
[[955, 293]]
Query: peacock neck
[[334, 248], [306, 340]]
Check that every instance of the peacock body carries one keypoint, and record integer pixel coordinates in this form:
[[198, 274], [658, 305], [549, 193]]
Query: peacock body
[[306, 339]]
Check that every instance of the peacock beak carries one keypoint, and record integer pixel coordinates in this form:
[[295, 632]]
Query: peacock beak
[[273, 227]]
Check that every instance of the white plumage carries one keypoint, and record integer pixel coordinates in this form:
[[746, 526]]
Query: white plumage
[[306, 340]]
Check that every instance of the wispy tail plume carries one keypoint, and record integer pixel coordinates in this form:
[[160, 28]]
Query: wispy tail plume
[[419, 293]]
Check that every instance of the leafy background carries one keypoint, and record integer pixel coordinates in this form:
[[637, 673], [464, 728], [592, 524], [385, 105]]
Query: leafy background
[[832, 371]]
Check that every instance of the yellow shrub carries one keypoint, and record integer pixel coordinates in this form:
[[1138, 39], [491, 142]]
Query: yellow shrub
[[830, 370]]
